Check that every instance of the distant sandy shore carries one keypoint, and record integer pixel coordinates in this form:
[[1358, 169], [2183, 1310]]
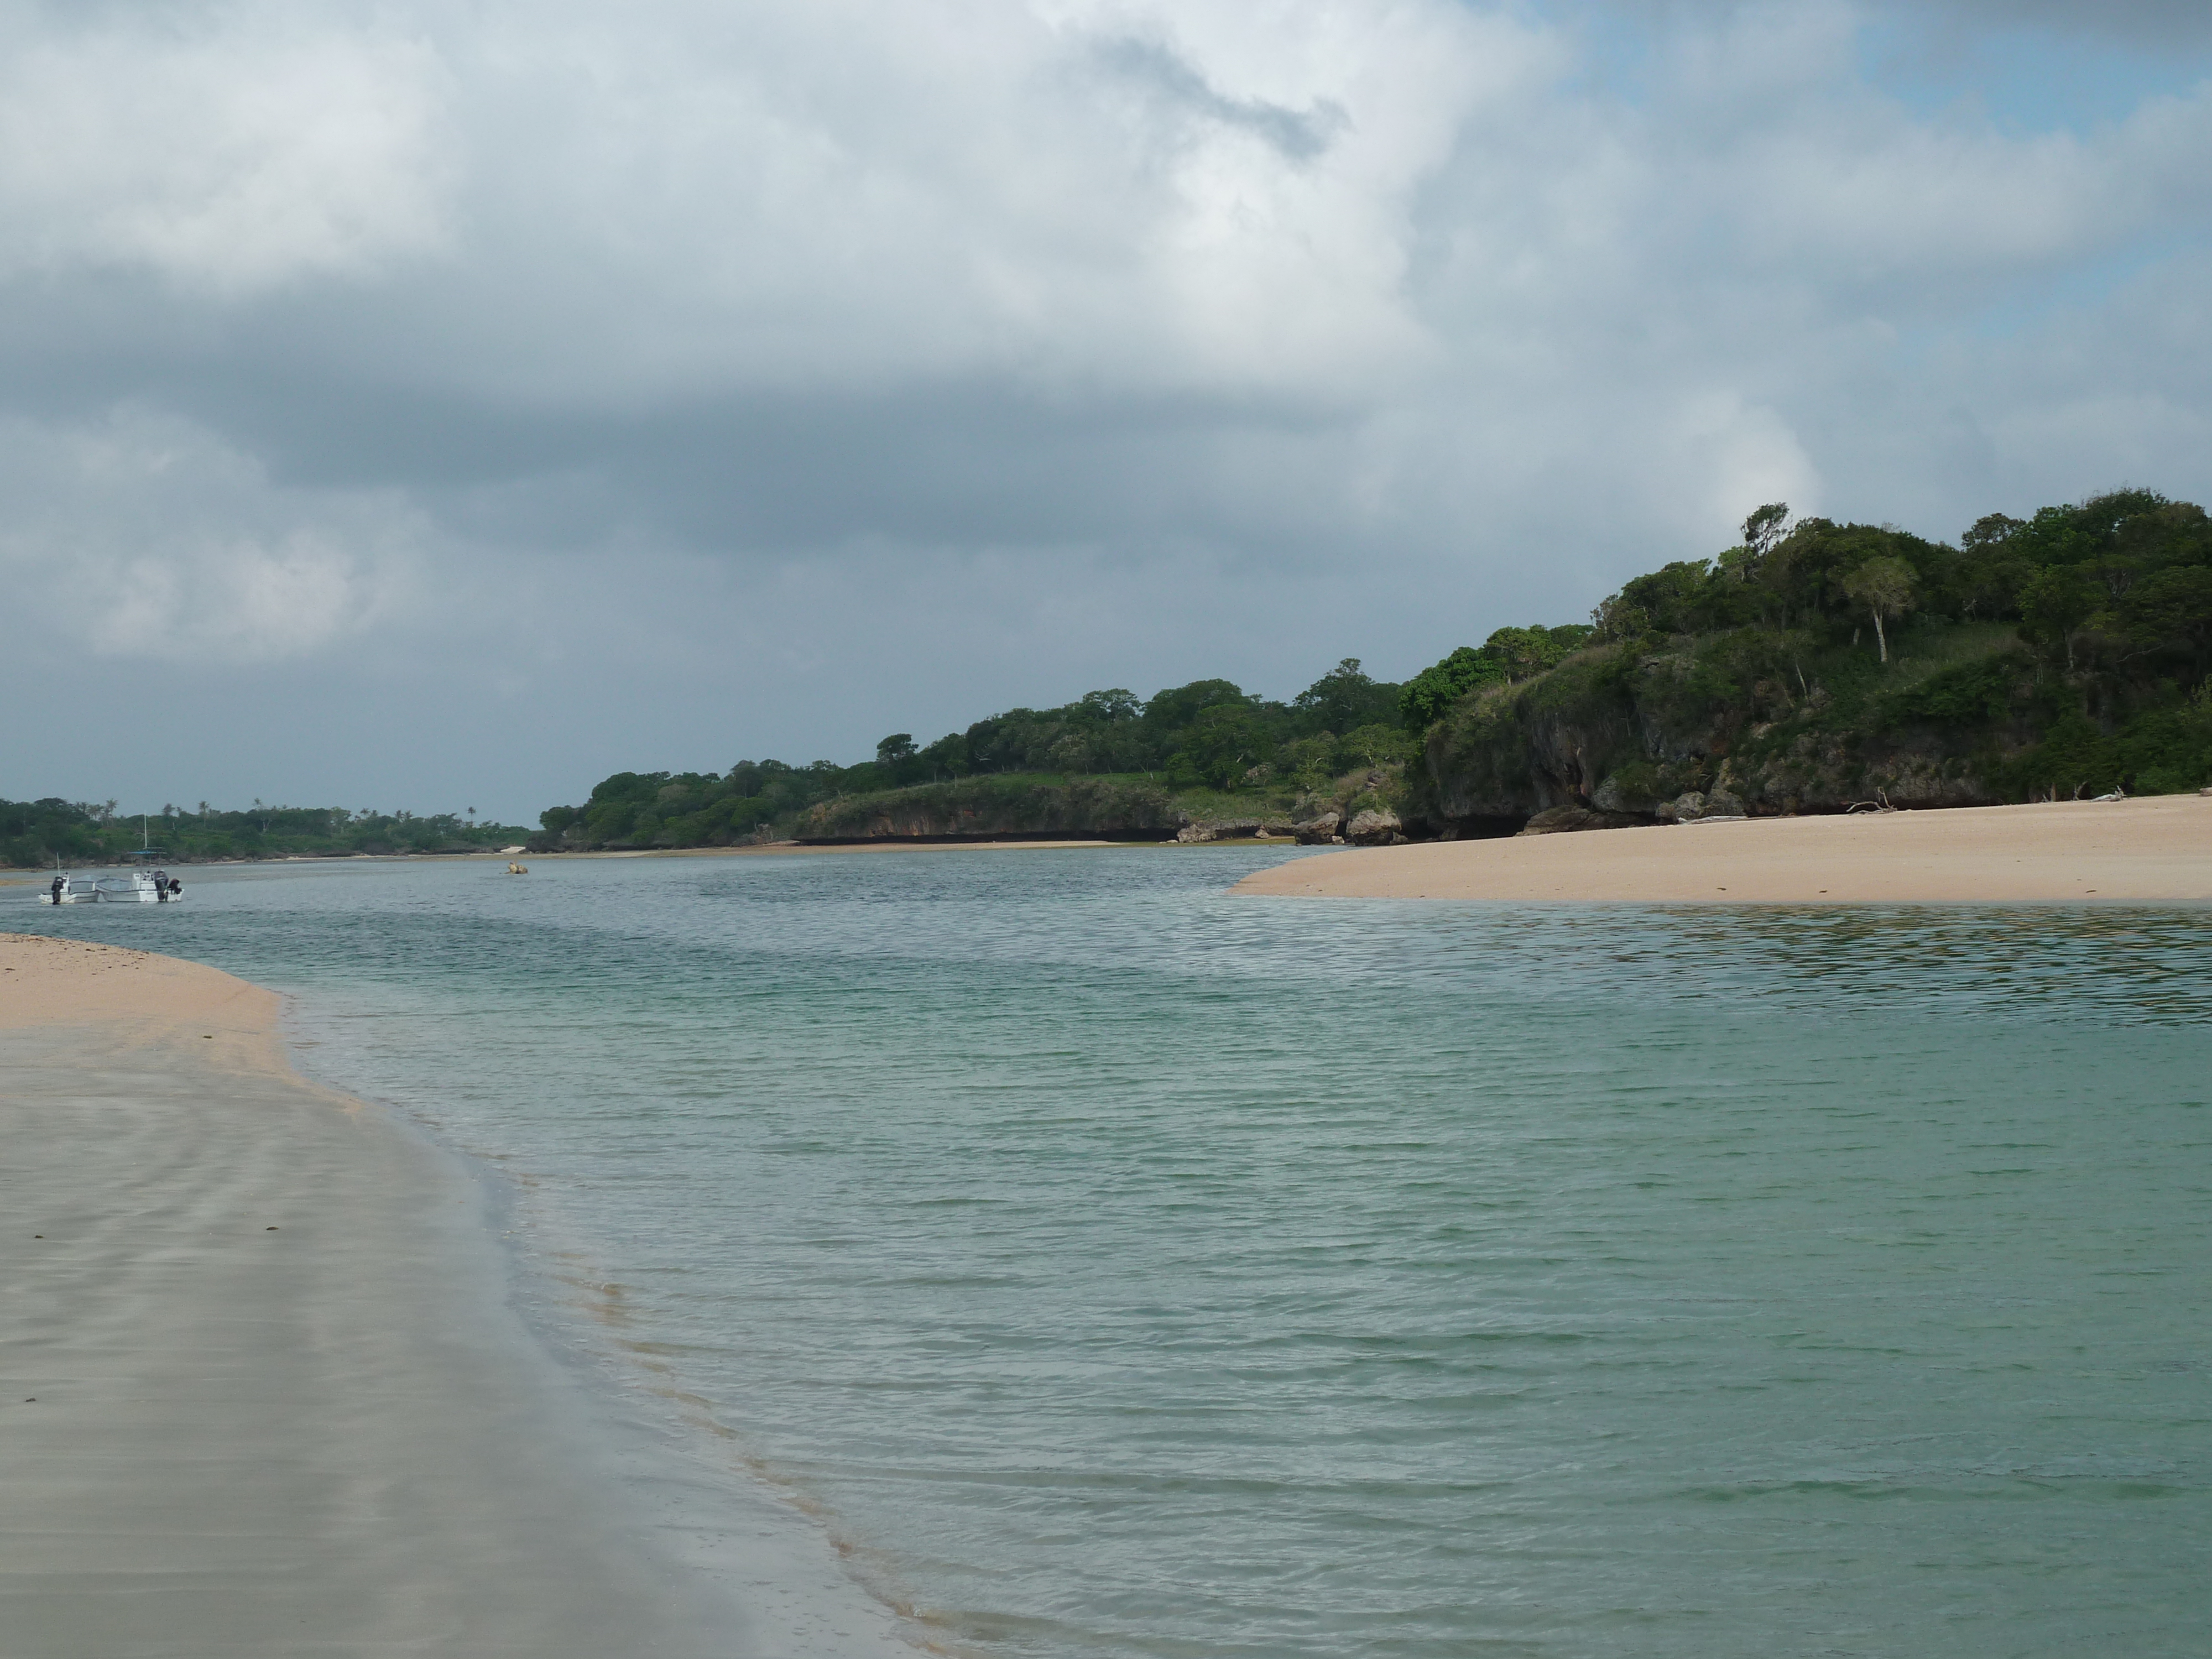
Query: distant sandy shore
[[263, 1392], [750, 850], [771, 849], [776, 848], [2158, 849]]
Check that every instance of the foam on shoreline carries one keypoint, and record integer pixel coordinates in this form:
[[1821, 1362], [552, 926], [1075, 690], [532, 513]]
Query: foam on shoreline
[[2155, 850], [265, 1388]]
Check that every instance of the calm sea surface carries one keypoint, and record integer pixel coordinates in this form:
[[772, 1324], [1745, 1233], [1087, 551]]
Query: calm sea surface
[[1129, 1270]]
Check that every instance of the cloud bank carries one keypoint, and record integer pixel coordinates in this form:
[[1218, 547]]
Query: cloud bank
[[658, 384]]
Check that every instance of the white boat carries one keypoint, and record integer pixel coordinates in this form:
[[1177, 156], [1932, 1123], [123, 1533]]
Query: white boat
[[72, 890], [139, 887]]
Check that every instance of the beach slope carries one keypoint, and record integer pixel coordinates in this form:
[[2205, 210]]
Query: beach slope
[[2158, 849], [263, 1389]]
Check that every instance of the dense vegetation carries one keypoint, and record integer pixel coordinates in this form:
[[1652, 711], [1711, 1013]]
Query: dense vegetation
[[1813, 665], [38, 833], [1508, 656], [1108, 760], [1816, 663]]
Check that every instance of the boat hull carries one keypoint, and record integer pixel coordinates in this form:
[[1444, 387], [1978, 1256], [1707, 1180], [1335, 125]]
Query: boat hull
[[130, 889]]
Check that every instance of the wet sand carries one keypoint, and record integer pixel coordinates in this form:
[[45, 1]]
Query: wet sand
[[264, 1389], [2157, 849]]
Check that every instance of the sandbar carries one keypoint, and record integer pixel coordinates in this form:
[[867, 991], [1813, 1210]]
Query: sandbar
[[2157, 849], [265, 1388]]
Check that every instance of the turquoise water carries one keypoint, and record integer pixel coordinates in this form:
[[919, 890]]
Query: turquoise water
[[1130, 1270]]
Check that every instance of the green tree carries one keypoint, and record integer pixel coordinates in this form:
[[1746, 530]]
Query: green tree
[[1669, 600], [1221, 746], [1171, 710], [1510, 654], [2053, 606], [1374, 745], [948, 757], [1990, 567], [1112, 706], [1884, 586], [1763, 528], [2170, 609], [1423, 700], [1342, 699], [1991, 530]]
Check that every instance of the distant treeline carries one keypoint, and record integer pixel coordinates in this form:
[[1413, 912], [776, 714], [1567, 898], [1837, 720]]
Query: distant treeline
[[1812, 663], [38, 833], [1208, 736]]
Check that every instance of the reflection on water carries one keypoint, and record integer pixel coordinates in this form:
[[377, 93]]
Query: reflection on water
[[1133, 1270]]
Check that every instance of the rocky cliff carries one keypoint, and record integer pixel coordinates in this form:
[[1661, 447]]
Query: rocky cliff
[[1752, 722]]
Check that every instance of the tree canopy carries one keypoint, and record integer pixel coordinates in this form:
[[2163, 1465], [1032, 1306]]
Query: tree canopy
[[37, 833], [1209, 733], [1509, 655]]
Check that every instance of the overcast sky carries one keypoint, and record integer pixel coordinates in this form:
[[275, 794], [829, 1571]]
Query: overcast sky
[[431, 405]]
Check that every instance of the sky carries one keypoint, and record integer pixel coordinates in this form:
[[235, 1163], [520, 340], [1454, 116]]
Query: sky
[[427, 406]]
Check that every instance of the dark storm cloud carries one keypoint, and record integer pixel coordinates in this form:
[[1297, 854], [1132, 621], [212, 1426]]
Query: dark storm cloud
[[1299, 135]]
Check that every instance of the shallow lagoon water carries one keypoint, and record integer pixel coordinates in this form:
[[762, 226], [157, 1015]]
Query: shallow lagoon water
[[1125, 1269]]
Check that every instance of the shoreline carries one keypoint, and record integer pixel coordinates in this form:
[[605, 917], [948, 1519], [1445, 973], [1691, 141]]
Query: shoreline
[[2154, 849], [269, 1385], [780, 848], [36, 878]]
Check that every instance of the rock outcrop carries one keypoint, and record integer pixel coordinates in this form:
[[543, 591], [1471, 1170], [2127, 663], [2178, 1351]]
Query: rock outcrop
[[1374, 827], [1558, 820], [1620, 735], [1692, 805], [1207, 829]]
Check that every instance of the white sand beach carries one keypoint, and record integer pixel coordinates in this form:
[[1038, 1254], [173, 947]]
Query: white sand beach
[[264, 1390], [2157, 849]]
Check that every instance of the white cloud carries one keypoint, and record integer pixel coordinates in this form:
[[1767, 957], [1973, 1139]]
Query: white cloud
[[148, 538], [231, 147], [678, 197], [1127, 306], [233, 603]]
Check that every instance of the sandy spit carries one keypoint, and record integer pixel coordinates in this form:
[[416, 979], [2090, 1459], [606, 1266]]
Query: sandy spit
[[2158, 849], [264, 1390]]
